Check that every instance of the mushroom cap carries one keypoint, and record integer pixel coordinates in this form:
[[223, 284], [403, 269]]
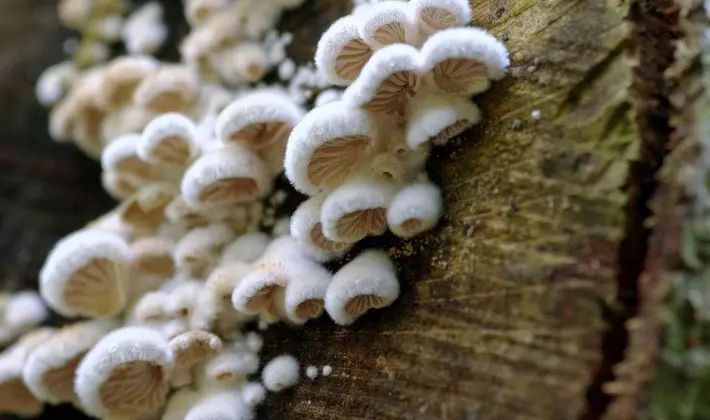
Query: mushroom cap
[[201, 247], [258, 120], [125, 373], [85, 274], [153, 256], [244, 62], [121, 157], [50, 367], [198, 12], [16, 398], [223, 279], [247, 248], [24, 310], [280, 373], [221, 404], [180, 403], [172, 88], [367, 282], [328, 145], [307, 230], [439, 118], [180, 213], [253, 393], [194, 347], [145, 209], [305, 290], [462, 60], [226, 175], [152, 307], [341, 53], [228, 367], [121, 78], [415, 209], [183, 299], [436, 15], [356, 209], [387, 22], [169, 139], [387, 81]]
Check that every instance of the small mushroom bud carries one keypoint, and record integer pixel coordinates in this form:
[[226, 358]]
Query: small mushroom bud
[[341, 53], [415, 209], [86, 274], [122, 77], [173, 88], [125, 374], [367, 282], [145, 209], [280, 373]]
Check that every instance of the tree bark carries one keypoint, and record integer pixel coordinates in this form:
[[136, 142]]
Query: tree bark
[[518, 305]]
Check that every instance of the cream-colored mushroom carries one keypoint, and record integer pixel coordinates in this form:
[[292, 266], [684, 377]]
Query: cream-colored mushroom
[[172, 88], [121, 78], [144, 210], [432, 16], [341, 53], [86, 274], [307, 230]]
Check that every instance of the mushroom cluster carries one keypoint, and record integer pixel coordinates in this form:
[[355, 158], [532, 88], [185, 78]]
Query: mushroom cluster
[[410, 69], [166, 288]]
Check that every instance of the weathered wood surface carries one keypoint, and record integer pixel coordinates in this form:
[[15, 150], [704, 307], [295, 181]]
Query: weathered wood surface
[[502, 308]]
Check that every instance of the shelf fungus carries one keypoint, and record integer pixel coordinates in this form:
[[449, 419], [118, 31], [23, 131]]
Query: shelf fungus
[[387, 82], [328, 145], [169, 139], [258, 120], [125, 374], [280, 373], [386, 23], [49, 370], [357, 209], [464, 61], [16, 397], [432, 16], [307, 230], [439, 118], [341, 52], [367, 282], [231, 174], [85, 274], [415, 209]]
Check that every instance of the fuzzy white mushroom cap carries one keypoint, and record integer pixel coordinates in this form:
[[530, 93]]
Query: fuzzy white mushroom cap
[[49, 369], [438, 118], [183, 299], [54, 82], [341, 53], [85, 274], [415, 209], [464, 60], [307, 230], [305, 290], [258, 120], [193, 347], [144, 32], [228, 367], [125, 373], [356, 209], [115, 155], [172, 88], [220, 404], [226, 175], [16, 397], [253, 393], [247, 248], [387, 22], [169, 139], [24, 310], [199, 250], [180, 403], [387, 80], [280, 373], [367, 282], [152, 307], [145, 209], [153, 256], [436, 15], [329, 144], [198, 12], [121, 79]]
